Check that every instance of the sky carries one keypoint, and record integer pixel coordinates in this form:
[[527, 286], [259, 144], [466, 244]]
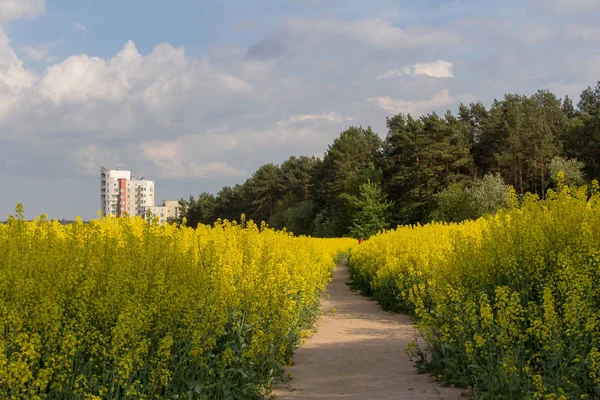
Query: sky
[[198, 94]]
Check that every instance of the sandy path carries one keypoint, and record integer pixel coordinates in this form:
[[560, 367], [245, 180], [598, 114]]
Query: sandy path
[[357, 353]]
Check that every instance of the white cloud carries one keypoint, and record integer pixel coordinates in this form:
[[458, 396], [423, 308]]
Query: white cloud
[[14, 78], [418, 107], [92, 94], [436, 69], [376, 32], [130, 97], [78, 26], [16, 9], [12, 72], [582, 32]]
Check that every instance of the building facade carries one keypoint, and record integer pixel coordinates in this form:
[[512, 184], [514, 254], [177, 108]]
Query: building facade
[[140, 196], [168, 211], [121, 193], [113, 189]]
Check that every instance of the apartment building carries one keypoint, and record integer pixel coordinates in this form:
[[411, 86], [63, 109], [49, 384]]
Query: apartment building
[[113, 189], [122, 193], [168, 210], [140, 196]]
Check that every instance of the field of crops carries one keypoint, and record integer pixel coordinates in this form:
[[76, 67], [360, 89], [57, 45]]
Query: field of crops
[[508, 305], [121, 309]]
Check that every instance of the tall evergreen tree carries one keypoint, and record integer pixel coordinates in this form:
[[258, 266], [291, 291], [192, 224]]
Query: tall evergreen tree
[[568, 108], [296, 174], [349, 154], [423, 157], [265, 190], [370, 211]]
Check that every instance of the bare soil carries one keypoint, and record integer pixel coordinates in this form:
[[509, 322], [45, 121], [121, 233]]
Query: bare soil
[[357, 352]]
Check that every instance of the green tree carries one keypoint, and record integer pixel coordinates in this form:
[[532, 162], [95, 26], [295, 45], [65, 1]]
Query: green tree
[[453, 204], [567, 107], [423, 157], [349, 154], [202, 210], [488, 195], [481, 197], [370, 211], [571, 169], [300, 218], [265, 190], [296, 174], [583, 140], [521, 136], [232, 202]]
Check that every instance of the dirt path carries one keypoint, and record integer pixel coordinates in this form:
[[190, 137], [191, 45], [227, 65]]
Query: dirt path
[[356, 353]]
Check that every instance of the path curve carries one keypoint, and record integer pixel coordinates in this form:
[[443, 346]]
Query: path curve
[[357, 353]]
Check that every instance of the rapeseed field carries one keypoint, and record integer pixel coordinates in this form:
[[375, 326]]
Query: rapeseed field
[[508, 305], [119, 308]]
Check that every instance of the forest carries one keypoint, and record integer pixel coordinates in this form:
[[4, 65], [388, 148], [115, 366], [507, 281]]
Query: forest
[[449, 168]]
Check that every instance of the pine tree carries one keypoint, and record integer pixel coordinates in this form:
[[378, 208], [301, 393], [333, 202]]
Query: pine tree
[[568, 108], [370, 211]]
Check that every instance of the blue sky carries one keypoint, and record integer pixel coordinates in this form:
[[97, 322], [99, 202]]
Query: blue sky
[[197, 94]]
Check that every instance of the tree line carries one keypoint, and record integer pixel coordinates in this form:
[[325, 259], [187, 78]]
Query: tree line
[[451, 167]]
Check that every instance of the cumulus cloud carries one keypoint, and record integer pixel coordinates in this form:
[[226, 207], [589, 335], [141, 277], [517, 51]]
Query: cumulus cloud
[[436, 69], [376, 32], [418, 107], [14, 78], [127, 97], [16, 9], [85, 94]]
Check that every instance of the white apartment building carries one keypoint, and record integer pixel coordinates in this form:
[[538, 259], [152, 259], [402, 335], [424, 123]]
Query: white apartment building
[[121, 193], [112, 185], [140, 196]]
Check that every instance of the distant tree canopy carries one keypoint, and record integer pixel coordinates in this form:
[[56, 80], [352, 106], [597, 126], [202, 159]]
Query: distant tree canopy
[[450, 167]]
